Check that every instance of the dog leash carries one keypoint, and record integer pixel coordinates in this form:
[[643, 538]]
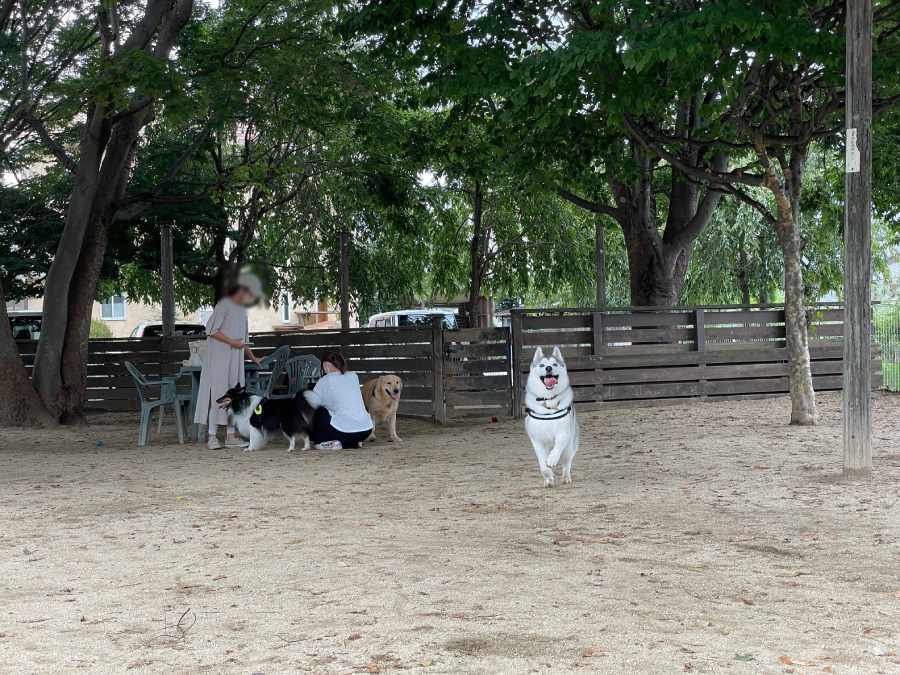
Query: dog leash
[[555, 416]]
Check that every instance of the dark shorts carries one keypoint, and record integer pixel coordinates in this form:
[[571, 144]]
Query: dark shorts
[[323, 431]]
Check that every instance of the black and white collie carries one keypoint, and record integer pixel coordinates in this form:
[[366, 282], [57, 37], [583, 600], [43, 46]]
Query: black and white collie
[[258, 419]]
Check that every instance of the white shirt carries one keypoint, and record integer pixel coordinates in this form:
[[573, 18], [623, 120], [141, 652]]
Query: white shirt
[[341, 395]]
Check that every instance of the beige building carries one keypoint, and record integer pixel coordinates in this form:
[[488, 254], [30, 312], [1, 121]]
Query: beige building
[[124, 317]]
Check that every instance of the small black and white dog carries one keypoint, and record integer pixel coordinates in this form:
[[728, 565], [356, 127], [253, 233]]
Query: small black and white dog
[[257, 419]]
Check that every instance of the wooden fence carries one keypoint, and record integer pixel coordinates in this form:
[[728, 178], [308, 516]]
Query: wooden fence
[[711, 352], [370, 352], [619, 355]]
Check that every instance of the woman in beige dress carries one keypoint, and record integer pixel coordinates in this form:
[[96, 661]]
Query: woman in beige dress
[[227, 339]]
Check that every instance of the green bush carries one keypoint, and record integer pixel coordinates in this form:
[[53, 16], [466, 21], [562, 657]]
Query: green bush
[[100, 330]]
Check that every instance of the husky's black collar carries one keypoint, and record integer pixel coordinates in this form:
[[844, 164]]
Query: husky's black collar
[[557, 415]]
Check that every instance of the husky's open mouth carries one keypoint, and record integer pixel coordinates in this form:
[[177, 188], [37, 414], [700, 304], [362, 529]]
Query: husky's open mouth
[[550, 380]]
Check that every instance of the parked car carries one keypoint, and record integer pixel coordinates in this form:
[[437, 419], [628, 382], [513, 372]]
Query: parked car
[[403, 318], [26, 324], [154, 329]]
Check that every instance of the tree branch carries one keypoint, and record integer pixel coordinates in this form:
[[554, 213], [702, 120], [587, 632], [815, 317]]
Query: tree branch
[[714, 177], [747, 199], [593, 207], [49, 142]]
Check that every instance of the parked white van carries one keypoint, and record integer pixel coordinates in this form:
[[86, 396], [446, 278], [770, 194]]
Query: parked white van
[[420, 318]]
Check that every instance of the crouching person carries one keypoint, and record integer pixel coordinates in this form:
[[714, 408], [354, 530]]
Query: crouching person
[[341, 419]]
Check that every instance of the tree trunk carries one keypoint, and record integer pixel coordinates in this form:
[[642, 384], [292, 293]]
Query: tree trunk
[[81, 302], [101, 174], [345, 278], [477, 258], [112, 181], [743, 274], [787, 227], [167, 279], [19, 403], [653, 284], [803, 396], [47, 376], [600, 262], [658, 265], [762, 292]]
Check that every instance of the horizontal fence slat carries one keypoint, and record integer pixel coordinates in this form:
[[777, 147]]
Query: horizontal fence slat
[[743, 333], [648, 319], [547, 338], [654, 390], [634, 375], [416, 379], [468, 382], [382, 366], [769, 386], [560, 322], [476, 397], [475, 335], [415, 408], [639, 335], [465, 351], [714, 318]]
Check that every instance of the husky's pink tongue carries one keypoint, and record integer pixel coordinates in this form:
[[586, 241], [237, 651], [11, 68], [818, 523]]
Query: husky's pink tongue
[[549, 382]]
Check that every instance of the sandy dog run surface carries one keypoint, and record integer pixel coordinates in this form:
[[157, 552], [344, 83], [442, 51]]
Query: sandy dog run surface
[[706, 538]]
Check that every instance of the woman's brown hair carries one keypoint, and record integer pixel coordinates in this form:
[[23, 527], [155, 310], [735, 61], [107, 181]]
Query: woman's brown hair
[[335, 358]]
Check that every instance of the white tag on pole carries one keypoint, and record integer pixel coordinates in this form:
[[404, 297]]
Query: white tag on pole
[[852, 161]]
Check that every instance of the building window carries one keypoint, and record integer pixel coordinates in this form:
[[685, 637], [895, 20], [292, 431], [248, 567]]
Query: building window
[[286, 308], [20, 306], [113, 309], [203, 315]]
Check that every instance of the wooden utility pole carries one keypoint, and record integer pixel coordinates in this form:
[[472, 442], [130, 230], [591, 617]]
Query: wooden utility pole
[[600, 261], [166, 273], [345, 278], [857, 402]]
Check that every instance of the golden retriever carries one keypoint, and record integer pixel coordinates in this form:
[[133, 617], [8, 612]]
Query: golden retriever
[[382, 398]]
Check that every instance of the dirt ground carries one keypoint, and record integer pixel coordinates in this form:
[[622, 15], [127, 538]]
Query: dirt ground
[[707, 538]]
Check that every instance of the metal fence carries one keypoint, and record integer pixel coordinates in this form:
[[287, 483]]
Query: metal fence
[[887, 335]]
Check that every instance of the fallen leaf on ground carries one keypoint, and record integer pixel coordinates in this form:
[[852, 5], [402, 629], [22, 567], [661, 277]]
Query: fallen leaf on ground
[[354, 636], [373, 668], [747, 601], [592, 651], [788, 661]]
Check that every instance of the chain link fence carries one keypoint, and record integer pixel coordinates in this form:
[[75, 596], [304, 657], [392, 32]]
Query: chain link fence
[[887, 335]]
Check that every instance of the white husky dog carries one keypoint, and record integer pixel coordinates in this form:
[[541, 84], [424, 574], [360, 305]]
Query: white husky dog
[[550, 416]]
